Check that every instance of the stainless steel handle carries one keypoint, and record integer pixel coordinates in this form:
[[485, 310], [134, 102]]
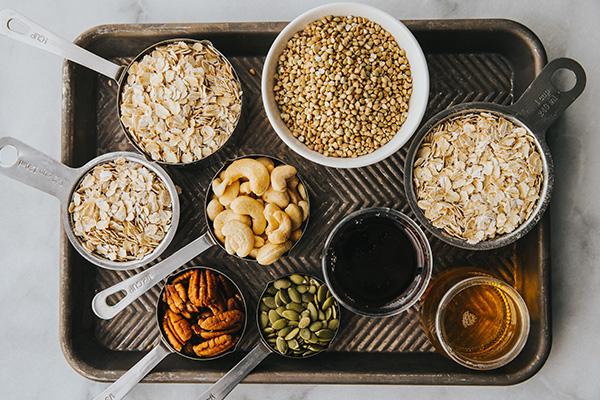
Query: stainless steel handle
[[39, 171], [220, 389], [542, 103], [139, 284], [35, 35], [124, 384]]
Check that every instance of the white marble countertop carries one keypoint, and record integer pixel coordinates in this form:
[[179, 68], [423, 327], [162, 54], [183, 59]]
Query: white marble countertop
[[33, 365]]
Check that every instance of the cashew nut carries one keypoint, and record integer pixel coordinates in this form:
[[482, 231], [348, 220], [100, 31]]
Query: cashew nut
[[279, 228], [294, 198], [302, 191], [281, 199], [229, 215], [240, 236], [295, 214], [213, 209], [304, 207], [271, 252], [267, 162], [254, 171], [280, 175], [295, 235], [230, 193], [244, 205], [258, 241], [245, 188]]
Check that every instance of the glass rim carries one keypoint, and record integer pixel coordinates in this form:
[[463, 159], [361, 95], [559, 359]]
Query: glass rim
[[515, 298]]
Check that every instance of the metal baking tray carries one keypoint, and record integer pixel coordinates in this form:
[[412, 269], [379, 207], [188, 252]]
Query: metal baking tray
[[483, 60]]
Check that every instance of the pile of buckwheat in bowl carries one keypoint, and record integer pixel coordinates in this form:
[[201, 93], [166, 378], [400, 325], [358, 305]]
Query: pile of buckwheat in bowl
[[345, 90]]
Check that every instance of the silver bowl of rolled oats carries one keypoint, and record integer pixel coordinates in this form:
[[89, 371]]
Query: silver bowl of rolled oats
[[345, 85], [119, 210], [179, 101], [479, 175]]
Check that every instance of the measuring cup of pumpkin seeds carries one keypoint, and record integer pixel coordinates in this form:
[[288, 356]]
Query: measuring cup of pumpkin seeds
[[297, 317]]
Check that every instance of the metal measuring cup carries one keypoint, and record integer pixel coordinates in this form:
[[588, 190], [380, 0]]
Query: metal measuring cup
[[135, 286], [31, 33], [220, 389], [537, 109], [39, 171], [125, 383]]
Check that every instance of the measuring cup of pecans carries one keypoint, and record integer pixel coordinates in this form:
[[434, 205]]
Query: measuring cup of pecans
[[479, 175], [201, 314], [119, 210]]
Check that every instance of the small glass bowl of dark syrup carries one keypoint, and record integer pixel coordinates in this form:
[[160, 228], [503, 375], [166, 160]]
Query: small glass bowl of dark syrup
[[377, 262]]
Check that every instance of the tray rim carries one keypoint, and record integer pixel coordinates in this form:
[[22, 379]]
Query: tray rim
[[457, 25]]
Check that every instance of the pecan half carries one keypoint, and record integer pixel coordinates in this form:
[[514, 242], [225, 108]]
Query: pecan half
[[211, 334], [173, 299], [222, 321], [194, 288], [215, 346], [180, 326], [235, 303]]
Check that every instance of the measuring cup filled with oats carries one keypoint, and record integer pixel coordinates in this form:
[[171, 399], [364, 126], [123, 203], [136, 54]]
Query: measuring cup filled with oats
[[256, 209], [178, 101], [479, 175], [119, 210]]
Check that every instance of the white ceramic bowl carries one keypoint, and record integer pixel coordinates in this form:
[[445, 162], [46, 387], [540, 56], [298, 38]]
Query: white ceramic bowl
[[418, 68]]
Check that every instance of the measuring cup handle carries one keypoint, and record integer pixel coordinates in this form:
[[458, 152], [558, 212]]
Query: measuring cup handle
[[139, 284], [22, 29], [542, 103], [125, 383], [37, 170], [220, 389]]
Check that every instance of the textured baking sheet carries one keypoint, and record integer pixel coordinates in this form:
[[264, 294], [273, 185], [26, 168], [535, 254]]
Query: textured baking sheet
[[469, 60]]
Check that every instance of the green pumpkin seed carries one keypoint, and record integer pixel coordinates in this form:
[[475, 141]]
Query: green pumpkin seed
[[273, 316], [305, 313], [334, 324], [268, 330], [315, 347], [293, 344], [284, 331], [272, 340], [291, 315], [269, 301], [282, 346], [304, 322], [271, 290], [334, 313], [296, 307], [326, 334], [321, 315], [307, 297], [315, 326], [313, 338], [312, 289], [280, 324], [314, 282], [314, 314], [282, 284], [302, 289], [264, 319], [328, 313], [292, 334], [297, 279], [283, 294], [278, 301], [263, 307], [293, 323], [305, 334], [328, 302], [294, 295], [321, 294]]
